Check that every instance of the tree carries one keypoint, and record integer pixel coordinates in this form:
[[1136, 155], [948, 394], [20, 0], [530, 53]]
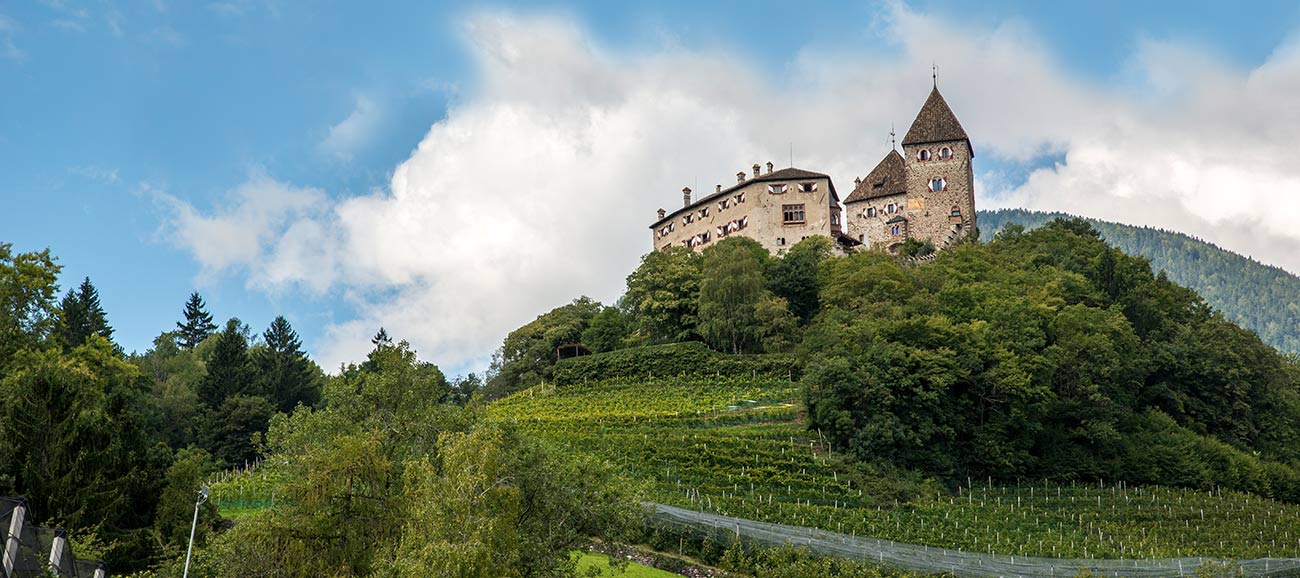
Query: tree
[[175, 374], [75, 444], [176, 503], [731, 287], [229, 371], [528, 353], [82, 316], [663, 296], [794, 276], [28, 287], [233, 430], [607, 331], [286, 376], [381, 338], [198, 323]]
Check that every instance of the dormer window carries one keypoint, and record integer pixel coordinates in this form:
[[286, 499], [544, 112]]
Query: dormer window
[[777, 189], [938, 184], [835, 219], [945, 153], [807, 187], [923, 155]]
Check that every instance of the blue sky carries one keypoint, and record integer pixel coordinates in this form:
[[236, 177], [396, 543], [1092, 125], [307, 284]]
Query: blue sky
[[125, 124]]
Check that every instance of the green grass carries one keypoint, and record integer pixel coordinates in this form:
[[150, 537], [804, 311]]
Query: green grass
[[588, 560], [739, 447]]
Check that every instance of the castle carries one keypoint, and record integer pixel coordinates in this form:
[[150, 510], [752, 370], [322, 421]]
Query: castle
[[925, 193]]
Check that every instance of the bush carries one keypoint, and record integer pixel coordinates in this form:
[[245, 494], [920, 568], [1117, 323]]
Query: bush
[[689, 358]]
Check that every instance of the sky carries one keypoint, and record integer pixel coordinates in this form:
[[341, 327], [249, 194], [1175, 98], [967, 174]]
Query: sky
[[451, 170]]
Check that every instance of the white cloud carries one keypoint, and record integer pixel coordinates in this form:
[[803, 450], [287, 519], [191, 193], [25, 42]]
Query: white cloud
[[8, 49], [539, 185], [354, 132], [261, 232]]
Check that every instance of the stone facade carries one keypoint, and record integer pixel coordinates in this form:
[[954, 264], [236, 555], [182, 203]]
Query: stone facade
[[927, 193], [777, 208]]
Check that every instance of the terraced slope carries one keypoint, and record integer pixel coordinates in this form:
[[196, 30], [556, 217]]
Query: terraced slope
[[738, 447]]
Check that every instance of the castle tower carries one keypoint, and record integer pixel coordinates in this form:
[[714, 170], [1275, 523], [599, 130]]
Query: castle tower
[[940, 178]]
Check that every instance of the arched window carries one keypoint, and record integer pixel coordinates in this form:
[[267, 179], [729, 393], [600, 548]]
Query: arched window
[[895, 230], [938, 184], [945, 153], [923, 155]]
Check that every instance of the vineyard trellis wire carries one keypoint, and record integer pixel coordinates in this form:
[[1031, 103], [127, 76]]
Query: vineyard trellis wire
[[940, 560]]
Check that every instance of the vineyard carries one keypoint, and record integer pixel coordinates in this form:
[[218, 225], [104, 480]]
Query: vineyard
[[737, 447]]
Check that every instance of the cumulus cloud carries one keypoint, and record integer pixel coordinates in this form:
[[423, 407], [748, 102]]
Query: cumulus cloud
[[539, 185], [357, 130]]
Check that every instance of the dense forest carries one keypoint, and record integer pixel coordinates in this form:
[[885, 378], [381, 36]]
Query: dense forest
[[1259, 297], [1037, 355]]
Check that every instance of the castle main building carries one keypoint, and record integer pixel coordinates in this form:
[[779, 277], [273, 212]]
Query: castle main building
[[926, 193]]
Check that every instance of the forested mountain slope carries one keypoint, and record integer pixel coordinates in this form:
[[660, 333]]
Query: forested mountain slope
[[1259, 297]]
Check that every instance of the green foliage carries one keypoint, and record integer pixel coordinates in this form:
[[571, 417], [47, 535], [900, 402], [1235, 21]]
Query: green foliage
[[663, 296], [28, 315], [229, 370], [1262, 298], [731, 286], [689, 358], [916, 248], [174, 374], [81, 315], [176, 504], [198, 323], [75, 443], [528, 353], [1042, 355], [607, 331], [793, 277], [232, 430], [738, 447], [284, 373]]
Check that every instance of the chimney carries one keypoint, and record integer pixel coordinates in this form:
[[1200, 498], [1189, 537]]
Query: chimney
[[740, 177], [686, 196], [756, 167], [662, 213], [769, 167], [857, 181], [717, 188]]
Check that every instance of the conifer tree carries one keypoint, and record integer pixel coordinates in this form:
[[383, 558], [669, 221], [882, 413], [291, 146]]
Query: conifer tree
[[82, 316], [198, 323], [287, 376], [381, 338], [229, 372]]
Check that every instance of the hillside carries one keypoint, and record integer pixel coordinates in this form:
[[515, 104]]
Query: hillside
[[739, 447], [1259, 297]]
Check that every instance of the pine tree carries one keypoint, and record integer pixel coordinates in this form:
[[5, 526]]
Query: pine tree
[[381, 338], [198, 323], [229, 371], [287, 377], [82, 316]]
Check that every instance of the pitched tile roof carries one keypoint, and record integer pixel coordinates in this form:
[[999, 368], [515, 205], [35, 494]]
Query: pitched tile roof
[[888, 178], [935, 123], [787, 174]]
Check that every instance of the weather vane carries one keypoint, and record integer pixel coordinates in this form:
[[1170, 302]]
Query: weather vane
[[934, 73], [892, 146]]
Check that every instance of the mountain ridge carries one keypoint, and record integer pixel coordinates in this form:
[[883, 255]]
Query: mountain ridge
[[1230, 282]]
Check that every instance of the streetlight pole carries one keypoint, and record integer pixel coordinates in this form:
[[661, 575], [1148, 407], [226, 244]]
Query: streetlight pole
[[203, 497]]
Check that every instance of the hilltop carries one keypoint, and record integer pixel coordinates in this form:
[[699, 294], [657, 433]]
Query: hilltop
[[1259, 297]]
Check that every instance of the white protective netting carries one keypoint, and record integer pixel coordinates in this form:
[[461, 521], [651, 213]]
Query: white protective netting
[[944, 561]]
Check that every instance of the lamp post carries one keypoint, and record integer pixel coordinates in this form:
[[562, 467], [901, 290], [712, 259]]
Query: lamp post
[[203, 497]]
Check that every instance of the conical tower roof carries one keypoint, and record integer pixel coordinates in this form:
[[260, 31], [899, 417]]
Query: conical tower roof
[[935, 123], [888, 178]]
